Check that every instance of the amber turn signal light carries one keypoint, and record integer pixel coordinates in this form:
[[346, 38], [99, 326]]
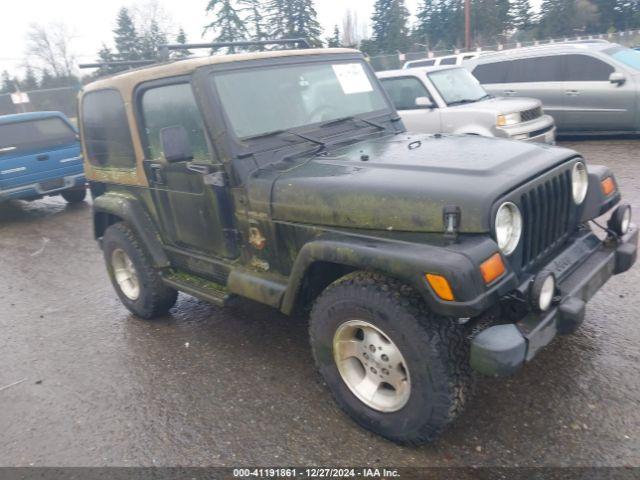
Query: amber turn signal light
[[608, 186], [492, 268], [440, 285]]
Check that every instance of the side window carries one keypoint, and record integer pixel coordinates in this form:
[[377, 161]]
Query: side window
[[168, 106], [489, 73], [404, 91], [448, 61], [584, 68], [422, 63], [105, 130], [536, 69]]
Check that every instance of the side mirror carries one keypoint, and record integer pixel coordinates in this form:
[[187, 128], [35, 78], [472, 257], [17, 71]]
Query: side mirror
[[175, 144], [617, 78], [424, 102]]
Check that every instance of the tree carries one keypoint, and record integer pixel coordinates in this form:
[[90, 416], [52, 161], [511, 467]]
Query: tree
[[521, 15], [351, 31], [490, 20], [8, 84], [30, 81], [228, 25], [254, 18], [390, 29], [50, 47], [334, 41], [560, 18], [181, 38], [151, 40], [294, 18], [127, 41]]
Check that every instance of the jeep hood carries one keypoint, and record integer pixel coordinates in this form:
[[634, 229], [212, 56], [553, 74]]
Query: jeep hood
[[402, 182]]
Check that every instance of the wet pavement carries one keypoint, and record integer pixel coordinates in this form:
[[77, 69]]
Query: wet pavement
[[236, 386]]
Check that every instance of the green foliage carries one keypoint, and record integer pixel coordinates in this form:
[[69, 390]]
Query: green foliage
[[334, 41], [8, 83], [30, 82], [390, 26], [127, 41], [254, 17], [151, 40], [228, 26], [181, 38]]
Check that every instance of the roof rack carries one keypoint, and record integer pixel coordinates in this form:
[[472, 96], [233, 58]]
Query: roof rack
[[163, 51]]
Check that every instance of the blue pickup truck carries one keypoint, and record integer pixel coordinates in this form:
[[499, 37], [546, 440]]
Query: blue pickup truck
[[40, 156]]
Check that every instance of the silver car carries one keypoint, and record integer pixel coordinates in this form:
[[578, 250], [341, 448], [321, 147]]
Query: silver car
[[588, 87], [450, 100]]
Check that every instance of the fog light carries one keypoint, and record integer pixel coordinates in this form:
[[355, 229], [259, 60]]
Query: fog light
[[543, 290], [620, 221]]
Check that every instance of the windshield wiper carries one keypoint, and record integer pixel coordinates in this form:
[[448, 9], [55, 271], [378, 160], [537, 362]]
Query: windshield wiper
[[276, 133], [463, 101], [354, 118]]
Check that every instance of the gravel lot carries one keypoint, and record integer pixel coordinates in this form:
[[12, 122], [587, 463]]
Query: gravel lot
[[236, 386]]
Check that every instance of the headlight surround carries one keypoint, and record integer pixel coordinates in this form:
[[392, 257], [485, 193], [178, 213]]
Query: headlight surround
[[508, 227], [579, 182], [507, 119]]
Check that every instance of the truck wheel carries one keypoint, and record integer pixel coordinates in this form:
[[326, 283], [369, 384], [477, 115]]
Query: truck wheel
[[75, 195], [136, 281], [395, 368]]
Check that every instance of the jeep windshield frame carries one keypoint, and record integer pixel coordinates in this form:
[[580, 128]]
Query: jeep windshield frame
[[281, 135]]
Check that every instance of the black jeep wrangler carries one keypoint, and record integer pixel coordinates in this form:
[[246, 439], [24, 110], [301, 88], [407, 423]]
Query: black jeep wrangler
[[287, 177]]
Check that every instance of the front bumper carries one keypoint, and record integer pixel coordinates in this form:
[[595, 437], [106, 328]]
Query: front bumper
[[540, 130], [502, 349]]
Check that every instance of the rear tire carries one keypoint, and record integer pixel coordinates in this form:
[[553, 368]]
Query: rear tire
[[434, 356], [133, 276], [75, 195]]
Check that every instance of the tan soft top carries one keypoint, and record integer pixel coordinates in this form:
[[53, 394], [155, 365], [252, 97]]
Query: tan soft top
[[126, 81]]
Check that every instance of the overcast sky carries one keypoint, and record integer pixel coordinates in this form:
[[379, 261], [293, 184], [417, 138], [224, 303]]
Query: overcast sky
[[92, 22]]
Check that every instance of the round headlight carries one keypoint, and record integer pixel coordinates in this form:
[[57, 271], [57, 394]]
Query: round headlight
[[620, 220], [579, 182], [508, 227], [543, 290]]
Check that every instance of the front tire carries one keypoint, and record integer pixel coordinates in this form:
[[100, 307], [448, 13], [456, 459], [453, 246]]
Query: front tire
[[395, 368], [75, 195], [133, 276]]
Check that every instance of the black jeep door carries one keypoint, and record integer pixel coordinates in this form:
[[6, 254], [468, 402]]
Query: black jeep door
[[195, 214]]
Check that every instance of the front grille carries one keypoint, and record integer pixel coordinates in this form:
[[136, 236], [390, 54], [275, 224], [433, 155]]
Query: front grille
[[546, 215], [532, 114]]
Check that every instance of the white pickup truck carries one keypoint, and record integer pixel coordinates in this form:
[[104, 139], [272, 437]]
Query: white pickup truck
[[450, 100]]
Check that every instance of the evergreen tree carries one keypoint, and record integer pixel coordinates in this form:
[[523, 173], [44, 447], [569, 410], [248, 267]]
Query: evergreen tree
[[30, 81], [228, 25], [304, 21], [182, 40], [521, 15], [390, 30], [151, 40], [126, 37], [255, 18], [335, 41], [7, 85], [105, 55], [278, 17], [490, 20], [47, 80], [560, 18]]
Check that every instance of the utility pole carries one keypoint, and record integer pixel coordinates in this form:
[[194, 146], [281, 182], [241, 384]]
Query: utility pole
[[467, 24]]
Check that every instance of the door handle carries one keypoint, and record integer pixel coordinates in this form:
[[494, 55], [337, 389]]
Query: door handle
[[156, 173], [199, 168], [509, 93], [42, 158], [572, 93]]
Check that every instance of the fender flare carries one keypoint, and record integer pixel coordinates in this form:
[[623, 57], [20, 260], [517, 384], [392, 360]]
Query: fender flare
[[129, 209], [407, 262]]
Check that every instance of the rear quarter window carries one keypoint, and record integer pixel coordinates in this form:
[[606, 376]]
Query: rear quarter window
[[105, 130], [31, 135], [449, 61], [584, 68]]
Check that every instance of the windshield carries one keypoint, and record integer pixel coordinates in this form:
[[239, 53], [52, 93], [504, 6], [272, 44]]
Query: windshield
[[40, 134], [259, 101], [457, 85], [631, 58]]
